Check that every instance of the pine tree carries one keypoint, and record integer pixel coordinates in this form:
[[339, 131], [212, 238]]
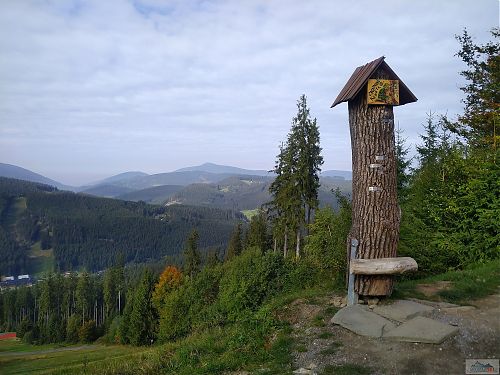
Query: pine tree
[[479, 123], [305, 136], [84, 296], [143, 317], [235, 245], [46, 301], [428, 152], [295, 188], [257, 233], [109, 291], [124, 327], [212, 257], [402, 163], [192, 257]]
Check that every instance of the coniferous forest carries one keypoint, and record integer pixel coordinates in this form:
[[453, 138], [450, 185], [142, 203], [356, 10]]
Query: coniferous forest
[[88, 232]]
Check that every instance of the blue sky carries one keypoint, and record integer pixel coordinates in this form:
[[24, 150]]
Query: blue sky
[[93, 88]]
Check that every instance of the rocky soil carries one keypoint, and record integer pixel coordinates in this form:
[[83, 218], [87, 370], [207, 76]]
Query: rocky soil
[[324, 348]]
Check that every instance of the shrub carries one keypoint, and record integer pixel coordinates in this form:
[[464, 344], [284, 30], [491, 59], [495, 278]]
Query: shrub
[[23, 327], [249, 279], [29, 337], [87, 332], [72, 328]]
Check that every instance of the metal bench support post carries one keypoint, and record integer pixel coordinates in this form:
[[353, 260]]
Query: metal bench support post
[[352, 296]]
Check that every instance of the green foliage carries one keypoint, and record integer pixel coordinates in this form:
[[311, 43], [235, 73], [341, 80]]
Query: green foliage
[[73, 328], [235, 246], [402, 164], [256, 235], [87, 332], [479, 122], [89, 232], [326, 242], [29, 337], [191, 306], [192, 257], [249, 280], [124, 327], [449, 219], [143, 318], [295, 188], [472, 283], [84, 296], [113, 333], [24, 327]]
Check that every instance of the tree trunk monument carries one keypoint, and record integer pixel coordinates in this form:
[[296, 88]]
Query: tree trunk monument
[[371, 93]]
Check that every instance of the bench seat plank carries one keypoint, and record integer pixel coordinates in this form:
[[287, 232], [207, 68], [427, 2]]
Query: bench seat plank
[[382, 266]]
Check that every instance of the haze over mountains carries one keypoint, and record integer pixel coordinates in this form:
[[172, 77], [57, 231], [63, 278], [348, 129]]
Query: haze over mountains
[[13, 171], [204, 185]]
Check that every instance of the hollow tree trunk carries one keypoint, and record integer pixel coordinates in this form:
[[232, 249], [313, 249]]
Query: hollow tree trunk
[[375, 209]]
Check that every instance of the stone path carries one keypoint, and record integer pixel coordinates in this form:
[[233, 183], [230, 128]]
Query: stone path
[[399, 321]]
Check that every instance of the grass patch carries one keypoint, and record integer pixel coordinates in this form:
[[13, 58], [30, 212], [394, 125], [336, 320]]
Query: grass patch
[[325, 335], [313, 300], [41, 266], [72, 361], [347, 369], [16, 345], [330, 311], [213, 351], [301, 348], [36, 251], [466, 285], [331, 349], [250, 213], [319, 321]]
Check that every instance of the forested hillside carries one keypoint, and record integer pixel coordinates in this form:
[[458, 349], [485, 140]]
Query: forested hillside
[[90, 232], [248, 192]]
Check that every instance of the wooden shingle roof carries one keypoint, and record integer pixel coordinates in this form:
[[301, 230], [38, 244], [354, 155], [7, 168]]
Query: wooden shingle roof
[[361, 76]]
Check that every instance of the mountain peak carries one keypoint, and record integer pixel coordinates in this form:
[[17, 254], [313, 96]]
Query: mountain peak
[[217, 168]]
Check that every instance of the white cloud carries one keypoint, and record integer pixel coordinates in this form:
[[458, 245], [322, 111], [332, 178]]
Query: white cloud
[[179, 82]]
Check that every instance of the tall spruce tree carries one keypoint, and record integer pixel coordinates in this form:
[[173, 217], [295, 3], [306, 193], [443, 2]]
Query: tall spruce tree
[[143, 317], [256, 235], [235, 245], [305, 137], [402, 164], [479, 122], [428, 151], [84, 296], [192, 257], [295, 189]]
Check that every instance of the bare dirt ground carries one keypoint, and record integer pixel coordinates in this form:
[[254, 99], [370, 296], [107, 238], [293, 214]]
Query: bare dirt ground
[[319, 346]]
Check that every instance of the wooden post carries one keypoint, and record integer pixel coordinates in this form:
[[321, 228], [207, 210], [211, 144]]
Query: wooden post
[[375, 209], [352, 296]]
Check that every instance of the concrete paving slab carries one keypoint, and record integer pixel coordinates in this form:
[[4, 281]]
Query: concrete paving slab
[[435, 304], [421, 329], [362, 321], [402, 310]]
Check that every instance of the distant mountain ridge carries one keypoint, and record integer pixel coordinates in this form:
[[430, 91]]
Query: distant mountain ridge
[[225, 169], [19, 173], [160, 187], [120, 177]]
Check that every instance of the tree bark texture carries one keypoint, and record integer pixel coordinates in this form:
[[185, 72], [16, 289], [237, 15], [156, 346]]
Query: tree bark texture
[[375, 209]]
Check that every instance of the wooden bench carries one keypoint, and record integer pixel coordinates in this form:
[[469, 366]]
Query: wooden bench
[[379, 266], [382, 266]]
